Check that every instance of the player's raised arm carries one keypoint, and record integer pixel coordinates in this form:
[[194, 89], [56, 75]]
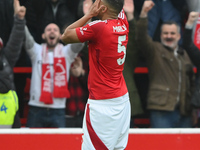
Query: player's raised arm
[[70, 36]]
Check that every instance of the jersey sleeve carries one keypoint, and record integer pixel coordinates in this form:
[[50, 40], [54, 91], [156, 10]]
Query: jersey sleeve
[[89, 31], [85, 33]]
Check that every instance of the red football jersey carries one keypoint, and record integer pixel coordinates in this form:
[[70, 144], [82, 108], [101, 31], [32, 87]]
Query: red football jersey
[[107, 41]]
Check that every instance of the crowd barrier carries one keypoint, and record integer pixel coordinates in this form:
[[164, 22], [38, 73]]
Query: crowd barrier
[[70, 139], [29, 70]]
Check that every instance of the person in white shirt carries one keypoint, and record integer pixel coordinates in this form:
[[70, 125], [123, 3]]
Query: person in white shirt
[[51, 62]]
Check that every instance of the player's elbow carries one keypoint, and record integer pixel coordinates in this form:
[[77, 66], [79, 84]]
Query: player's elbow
[[69, 36], [65, 38]]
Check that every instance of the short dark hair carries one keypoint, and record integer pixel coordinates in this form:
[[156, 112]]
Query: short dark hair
[[171, 23], [117, 5]]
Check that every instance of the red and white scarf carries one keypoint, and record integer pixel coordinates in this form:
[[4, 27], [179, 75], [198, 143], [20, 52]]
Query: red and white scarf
[[197, 34], [60, 85]]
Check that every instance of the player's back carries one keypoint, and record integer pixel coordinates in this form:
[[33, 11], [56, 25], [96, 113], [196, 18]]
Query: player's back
[[107, 42], [107, 55]]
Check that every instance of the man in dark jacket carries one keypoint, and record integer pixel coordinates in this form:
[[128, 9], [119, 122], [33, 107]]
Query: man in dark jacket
[[171, 74], [8, 57]]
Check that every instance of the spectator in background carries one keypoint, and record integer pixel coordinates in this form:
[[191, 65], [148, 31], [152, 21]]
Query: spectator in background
[[6, 23], [9, 117], [78, 89], [21, 78], [132, 55], [51, 63], [163, 11], [194, 54], [171, 76], [42, 12]]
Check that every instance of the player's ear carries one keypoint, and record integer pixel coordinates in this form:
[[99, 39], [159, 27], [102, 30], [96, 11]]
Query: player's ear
[[104, 8]]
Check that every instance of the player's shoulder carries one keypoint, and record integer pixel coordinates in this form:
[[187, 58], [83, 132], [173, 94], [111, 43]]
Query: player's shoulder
[[96, 22]]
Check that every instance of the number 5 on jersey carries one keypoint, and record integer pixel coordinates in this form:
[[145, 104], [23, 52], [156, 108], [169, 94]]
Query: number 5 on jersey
[[121, 48]]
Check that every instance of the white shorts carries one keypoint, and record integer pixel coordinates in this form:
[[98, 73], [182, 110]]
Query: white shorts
[[106, 124]]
